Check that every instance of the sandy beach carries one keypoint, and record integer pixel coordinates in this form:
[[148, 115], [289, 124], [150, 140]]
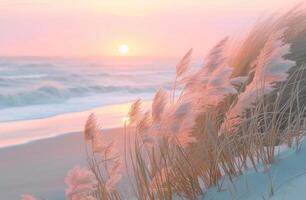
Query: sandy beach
[[36, 154], [20, 132], [39, 167]]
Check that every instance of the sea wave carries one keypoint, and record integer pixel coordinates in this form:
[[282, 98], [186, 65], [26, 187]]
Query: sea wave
[[51, 94], [32, 88], [29, 76]]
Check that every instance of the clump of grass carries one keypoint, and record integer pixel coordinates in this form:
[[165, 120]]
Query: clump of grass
[[229, 116], [266, 90], [104, 168]]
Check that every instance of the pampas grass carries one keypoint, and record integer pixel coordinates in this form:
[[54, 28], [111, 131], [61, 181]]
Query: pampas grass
[[27, 197], [181, 69], [81, 183], [99, 180], [231, 114]]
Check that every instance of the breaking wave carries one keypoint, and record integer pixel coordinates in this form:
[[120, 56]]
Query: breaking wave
[[37, 84]]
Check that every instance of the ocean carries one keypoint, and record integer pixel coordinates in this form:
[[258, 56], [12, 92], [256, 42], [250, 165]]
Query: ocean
[[33, 90]]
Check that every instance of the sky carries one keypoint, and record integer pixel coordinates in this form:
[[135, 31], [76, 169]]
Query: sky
[[161, 28]]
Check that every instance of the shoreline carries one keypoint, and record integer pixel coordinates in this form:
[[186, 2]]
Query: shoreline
[[23, 132]]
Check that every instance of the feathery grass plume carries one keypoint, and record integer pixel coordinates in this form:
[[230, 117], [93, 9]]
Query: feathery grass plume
[[270, 67], [213, 81], [185, 138], [171, 118], [159, 102], [144, 123], [103, 163], [218, 86], [177, 122], [116, 166], [27, 197], [211, 90], [215, 57], [111, 182], [135, 112], [181, 69], [111, 151], [214, 60], [114, 175], [90, 127], [242, 56], [144, 129], [106, 150], [81, 183], [182, 66], [98, 145], [245, 54]]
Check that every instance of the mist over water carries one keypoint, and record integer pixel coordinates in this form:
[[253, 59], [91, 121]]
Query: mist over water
[[32, 88]]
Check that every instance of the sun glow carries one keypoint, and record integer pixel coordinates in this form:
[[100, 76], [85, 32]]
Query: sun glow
[[125, 120], [123, 49]]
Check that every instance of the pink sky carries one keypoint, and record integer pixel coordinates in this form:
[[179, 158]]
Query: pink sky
[[150, 27]]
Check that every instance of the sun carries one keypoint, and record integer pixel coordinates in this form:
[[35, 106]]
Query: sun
[[123, 49]]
